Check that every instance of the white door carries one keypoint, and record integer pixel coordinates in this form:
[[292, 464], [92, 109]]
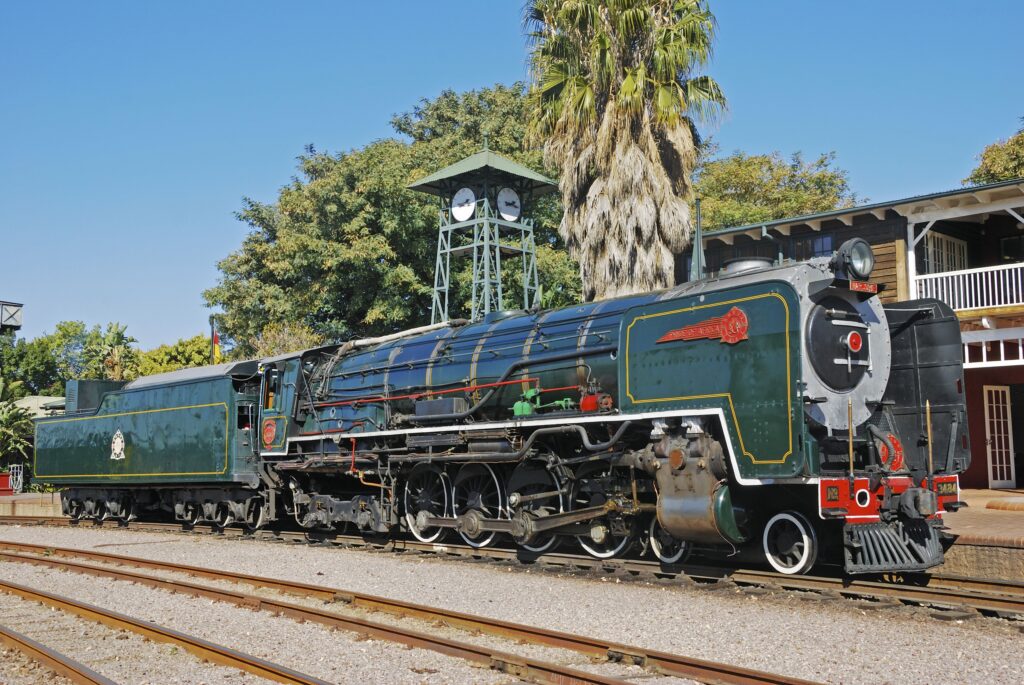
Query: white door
[[999, 436]]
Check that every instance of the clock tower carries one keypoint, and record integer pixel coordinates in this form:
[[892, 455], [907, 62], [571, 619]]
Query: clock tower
[[484, 201]]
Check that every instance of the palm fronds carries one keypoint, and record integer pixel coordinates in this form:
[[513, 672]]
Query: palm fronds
[[615, 90]]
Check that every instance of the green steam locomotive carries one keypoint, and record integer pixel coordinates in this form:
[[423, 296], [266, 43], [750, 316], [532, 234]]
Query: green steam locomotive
[[779, 410]]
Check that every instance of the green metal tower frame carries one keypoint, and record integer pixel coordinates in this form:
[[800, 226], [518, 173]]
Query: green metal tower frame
[[486, 236]]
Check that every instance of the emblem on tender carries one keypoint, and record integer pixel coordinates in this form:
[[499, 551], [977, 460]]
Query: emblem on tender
[[117, 445]]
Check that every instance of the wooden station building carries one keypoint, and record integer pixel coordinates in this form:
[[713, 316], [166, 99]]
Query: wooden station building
[[965, 247]]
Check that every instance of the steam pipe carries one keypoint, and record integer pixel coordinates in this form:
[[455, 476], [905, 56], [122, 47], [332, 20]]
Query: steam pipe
[[456, 416]]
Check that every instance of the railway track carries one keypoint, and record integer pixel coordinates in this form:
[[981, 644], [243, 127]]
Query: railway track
[[203, 649], [988, 597], [59, 663], [522, 667]]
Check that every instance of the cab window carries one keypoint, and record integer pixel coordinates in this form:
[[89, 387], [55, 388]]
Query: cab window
[[271, 388]]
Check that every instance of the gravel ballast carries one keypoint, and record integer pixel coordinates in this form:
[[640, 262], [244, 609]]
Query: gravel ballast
[[122, 656], [310, 648], [832, 641]]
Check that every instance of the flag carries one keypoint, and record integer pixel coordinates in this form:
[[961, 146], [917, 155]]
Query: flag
[[214, 344]]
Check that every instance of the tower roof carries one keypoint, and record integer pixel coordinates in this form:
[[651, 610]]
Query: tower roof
[[440, 182]]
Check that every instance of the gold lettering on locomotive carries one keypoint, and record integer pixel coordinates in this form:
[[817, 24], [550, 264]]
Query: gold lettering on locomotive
[[832, 493]]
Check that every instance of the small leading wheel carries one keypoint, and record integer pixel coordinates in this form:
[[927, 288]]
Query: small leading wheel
[[790, 543], [426, 489], [477, 488], [666, 547]]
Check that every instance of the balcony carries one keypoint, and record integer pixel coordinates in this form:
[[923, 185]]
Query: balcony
[[984, 288]]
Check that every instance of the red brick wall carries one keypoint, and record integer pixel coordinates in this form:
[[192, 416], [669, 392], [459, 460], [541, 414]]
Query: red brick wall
[[977, 475]]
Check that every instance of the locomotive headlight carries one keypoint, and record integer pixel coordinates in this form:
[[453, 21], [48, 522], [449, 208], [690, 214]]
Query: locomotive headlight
[[854, 259]]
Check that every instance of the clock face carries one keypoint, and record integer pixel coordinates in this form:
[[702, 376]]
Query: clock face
[[508, 204], [463, 204]]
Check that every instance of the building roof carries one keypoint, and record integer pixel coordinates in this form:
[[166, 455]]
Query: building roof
[[36, 405], [920, 208], [245, 368], [485, 159]]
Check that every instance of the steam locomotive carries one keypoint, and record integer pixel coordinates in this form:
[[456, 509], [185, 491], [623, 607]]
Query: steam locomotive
[[778, 409]]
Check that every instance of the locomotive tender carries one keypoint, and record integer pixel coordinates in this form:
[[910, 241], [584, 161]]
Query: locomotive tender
[[774, 407]]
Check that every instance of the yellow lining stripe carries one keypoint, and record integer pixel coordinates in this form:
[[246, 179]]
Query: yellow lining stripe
[[726, 395], [227, 442]]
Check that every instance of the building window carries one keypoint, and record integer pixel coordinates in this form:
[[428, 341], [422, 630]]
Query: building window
[[945, 253], [1011, 249], [810, 246]]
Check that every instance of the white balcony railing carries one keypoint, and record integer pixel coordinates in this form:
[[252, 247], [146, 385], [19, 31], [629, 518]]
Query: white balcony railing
[[990, 286]]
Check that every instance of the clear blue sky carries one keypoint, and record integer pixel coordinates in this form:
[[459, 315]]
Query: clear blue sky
[[130, 131]]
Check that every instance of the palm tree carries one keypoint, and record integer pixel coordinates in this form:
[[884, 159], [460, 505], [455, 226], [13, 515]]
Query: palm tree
[[614, 97], [112, 355]]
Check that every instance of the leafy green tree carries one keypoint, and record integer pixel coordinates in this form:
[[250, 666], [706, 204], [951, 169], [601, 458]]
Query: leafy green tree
[[347, 250], [184, 354], [742, 189], [616, 91], [16, 427], [279, 338], [32, 363], [1000, 161]]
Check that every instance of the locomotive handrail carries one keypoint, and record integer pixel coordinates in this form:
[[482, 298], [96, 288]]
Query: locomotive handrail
[[455, 416], [522, 451]]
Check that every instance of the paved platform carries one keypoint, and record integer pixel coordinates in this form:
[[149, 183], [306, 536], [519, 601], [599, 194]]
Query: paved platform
[[30, 504], [990, 518]]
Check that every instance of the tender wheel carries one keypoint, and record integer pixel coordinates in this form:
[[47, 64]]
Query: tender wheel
[[477, 488], [223, 518], [255, 514], [127, 510], [532, 478], [667, 548], [426, 489], [100, 511], [790, 543], [608, 537], [76, 510], [193, 514]]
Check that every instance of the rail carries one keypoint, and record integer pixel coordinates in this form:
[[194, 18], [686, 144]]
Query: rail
[[982, 288], [207, 651], [988, 596], [60, 664], [662, 662]]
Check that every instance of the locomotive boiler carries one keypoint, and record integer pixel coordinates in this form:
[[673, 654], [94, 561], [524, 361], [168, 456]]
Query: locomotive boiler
[[776, 408]]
